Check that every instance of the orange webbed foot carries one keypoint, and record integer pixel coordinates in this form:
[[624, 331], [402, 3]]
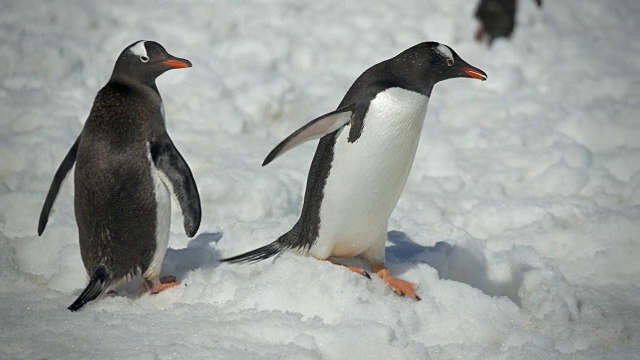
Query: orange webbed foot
[[157, 285], [359, 271], [401, 287], [353, 268]]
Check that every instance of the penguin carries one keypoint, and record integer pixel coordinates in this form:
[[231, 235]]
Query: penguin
[[497, 19], [126, 170], [362, 162]]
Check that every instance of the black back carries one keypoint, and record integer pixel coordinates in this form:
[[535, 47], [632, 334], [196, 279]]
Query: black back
[[115, 204], [115, 201]]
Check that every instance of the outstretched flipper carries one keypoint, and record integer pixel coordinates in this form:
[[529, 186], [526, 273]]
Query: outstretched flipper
[[58, 178], [315, 129], [176, 175]]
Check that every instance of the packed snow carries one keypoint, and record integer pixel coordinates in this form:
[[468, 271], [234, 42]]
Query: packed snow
[[520, 221]]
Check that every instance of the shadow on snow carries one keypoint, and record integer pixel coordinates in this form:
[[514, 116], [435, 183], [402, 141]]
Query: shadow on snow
[[458, 263], [199, 254]]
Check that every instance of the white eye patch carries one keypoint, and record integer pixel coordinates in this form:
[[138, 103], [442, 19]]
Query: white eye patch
[[139, 49], [446, 52]]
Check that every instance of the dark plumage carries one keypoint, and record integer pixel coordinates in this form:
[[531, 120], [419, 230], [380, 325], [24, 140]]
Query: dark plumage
[[497, 18], [123, 158]]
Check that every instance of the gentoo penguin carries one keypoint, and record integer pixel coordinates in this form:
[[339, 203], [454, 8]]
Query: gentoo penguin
[[126, 170], [362, 162], [497, 19]]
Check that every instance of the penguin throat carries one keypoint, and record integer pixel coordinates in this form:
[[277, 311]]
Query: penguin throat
[[143, 83]]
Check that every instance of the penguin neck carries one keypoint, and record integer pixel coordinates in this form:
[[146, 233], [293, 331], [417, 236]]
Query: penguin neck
[[391, 74], [146, 86], [419, 88]]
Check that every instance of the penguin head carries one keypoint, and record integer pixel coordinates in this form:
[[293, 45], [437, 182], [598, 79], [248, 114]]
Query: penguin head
[[146, 60], [421, 66]]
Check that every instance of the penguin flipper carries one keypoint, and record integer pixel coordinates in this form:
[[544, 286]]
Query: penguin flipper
[[99, 282], [177, 176], [58, 178], [314, 129]]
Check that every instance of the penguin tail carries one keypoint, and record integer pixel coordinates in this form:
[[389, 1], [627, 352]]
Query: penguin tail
[[98, 283], [258, 254]]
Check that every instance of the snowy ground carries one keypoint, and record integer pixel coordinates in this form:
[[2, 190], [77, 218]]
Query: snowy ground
[[520, 222]]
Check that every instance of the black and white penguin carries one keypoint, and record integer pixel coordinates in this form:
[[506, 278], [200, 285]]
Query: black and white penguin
[[497, 19], [362, 162], [126, 170]]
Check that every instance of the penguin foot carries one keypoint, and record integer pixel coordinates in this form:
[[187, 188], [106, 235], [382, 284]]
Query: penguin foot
[[359, 271], [157, 285], [399, 286], [353, 268]]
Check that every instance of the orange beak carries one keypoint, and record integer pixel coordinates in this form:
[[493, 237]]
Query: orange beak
[[475, 73], [178, 63]]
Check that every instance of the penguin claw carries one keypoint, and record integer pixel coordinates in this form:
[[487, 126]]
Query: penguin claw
[[360, 271], [402, 294], [399, 286], [353, 268]]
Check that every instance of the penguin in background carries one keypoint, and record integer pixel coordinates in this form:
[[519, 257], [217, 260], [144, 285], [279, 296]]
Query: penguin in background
[[127, 168], [497, 19], [362, 162]]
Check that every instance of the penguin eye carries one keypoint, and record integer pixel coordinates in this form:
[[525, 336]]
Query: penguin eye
[[143, 58], [449, 62]]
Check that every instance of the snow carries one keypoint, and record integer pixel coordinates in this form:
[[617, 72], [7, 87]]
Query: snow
[[520, 220]]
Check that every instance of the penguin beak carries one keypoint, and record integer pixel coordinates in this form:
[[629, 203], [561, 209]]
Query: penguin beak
[[473, 72], [175, 62]]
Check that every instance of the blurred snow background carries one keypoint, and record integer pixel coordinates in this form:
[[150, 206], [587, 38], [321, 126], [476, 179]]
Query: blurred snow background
[[520, 222]]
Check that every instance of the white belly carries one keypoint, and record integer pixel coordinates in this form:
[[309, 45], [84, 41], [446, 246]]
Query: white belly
[[368, 175], [163, 222]]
